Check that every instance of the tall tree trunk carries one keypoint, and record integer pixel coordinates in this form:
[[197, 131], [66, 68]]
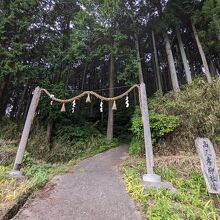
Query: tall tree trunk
[[217, 64], [4, 104], [27, 104], [164, 78], [179, 67], [21, 106], [202, 54], [81, 102], [111, 94], [157, 68], [50, 125], [2, 86], [174, 79], [14, 108], [5, 94], [168, 78], [84, 76], [184, 59], [191, 64], [212, 68], [140, 72]]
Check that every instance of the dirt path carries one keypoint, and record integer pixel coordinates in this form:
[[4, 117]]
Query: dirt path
[[93, 191]]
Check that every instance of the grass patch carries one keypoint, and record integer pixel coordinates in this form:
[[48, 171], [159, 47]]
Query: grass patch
[[191, 201], [10, 188], [104, 145], [40, 163], [38, 172], [36, 176], [67, 150]]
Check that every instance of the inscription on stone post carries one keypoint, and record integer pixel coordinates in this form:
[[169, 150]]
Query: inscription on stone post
[[207, 156]]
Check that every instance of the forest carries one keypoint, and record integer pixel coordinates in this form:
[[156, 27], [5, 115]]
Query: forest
[[107, 46], [73, 46]]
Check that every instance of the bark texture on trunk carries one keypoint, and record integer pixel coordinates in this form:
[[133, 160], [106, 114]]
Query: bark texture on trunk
[[212, 68], [157, 68], [111, 94], [140, 73], [184, 58], [84, 76], [21, 103], [202, 54], [174, 79], [5, 94], [49, 133]]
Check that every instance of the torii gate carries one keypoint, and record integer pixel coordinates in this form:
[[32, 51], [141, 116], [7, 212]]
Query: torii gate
[[149, 177]]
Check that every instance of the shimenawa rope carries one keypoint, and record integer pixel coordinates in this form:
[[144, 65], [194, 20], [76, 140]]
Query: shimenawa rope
[[88, 93]]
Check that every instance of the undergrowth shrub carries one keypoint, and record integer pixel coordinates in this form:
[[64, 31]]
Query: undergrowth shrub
[[7, 152], [40, 173], [41, 162], [160, 124], [198, 109], [9, 129], [76, 133], [79, 149], [69, 143]]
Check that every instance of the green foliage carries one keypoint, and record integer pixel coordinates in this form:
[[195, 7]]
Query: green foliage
[[81, 140], [77, 133], [207, 19], [190, 201], [27, 160], [79, 149], [37, 175], [70, 143], [69, 147], [40, 174], [7, 152], [163, 211], [136, 146], [9, 129], [10, 188], [160, 124], [197, 107], [99, 147], [127, 74]]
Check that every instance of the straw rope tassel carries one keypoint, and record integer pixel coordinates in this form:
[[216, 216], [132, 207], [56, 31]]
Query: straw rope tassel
[[88, 100], [114, 107], [63, 109]]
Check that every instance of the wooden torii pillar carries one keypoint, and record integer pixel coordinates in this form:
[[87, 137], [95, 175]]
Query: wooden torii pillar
[[25, 134]]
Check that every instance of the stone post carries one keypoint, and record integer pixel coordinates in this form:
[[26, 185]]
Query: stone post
[[150, 176]]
